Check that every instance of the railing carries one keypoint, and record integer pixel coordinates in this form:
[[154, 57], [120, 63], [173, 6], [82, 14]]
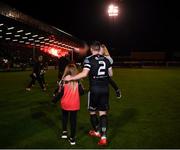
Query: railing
[[147, 64]]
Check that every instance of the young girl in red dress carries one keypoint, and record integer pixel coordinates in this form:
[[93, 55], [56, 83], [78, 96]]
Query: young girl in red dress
[[69, 96]]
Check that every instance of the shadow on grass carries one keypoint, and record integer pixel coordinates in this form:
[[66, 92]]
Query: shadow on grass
[[44, 112], [123, 119], [84, 128]]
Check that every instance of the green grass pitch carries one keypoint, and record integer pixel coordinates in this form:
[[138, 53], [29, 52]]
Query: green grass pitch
[[147, 116]]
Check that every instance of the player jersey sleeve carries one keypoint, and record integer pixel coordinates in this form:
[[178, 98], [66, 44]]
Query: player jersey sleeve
[[87, 64]]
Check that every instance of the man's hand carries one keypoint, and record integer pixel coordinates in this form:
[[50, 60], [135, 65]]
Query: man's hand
[[67, 78]]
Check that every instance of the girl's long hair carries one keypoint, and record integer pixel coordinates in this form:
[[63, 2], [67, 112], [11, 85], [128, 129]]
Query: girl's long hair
[[72, 70], [105, 50]]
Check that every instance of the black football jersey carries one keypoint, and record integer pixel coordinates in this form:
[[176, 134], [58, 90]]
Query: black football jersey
[[38, 67], [98, 66]]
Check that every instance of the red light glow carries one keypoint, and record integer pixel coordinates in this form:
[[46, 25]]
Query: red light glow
[[57, 52], [54, 52]]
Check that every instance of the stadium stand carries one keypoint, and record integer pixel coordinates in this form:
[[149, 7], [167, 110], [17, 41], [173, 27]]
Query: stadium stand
[[22, 38]]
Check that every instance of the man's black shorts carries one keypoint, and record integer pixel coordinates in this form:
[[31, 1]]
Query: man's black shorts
[[98, 98]]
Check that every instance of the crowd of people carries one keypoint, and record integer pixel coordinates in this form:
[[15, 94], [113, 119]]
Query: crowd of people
[[98, 67], [11, 59], [14, 59]]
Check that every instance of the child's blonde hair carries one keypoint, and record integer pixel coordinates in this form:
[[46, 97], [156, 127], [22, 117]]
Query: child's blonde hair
[[105, 50], [72, 70]]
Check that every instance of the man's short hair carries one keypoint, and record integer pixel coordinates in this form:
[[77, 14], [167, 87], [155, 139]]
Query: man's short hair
[[96, 46]]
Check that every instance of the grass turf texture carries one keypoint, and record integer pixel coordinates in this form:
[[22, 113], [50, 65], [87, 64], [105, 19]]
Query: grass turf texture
[[147, 116]]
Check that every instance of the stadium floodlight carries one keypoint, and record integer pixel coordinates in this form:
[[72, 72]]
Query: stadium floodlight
[[41, 37], [19, 31], [51, 40], [8, 33], [35, 35], [17, 35], [113, 10], [37, 41], [7, 38], [25, 37], [15, 40], [0, 30], [10, 28], [1, 36], [27, 43], [28, 33], [37, 44], [66, 45], [71, 47], [21, 41], [46, 39], [42, 42], [1, 24], [31, 39]]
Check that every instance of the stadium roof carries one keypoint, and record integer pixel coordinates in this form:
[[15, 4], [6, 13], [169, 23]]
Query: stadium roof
[[17, 28]]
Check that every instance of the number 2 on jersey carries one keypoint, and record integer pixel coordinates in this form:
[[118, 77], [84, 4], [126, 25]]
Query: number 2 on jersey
[[101, 70]]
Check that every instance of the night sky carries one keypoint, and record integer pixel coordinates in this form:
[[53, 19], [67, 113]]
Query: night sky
[[142, 24]]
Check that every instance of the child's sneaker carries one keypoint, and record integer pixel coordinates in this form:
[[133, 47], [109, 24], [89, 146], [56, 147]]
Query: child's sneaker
[[103, 141], [64, 135], [94, 133], [72, 141]]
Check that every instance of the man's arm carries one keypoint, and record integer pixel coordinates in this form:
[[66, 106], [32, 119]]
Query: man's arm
[[81, 75], [110, 71], [110, 59]]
